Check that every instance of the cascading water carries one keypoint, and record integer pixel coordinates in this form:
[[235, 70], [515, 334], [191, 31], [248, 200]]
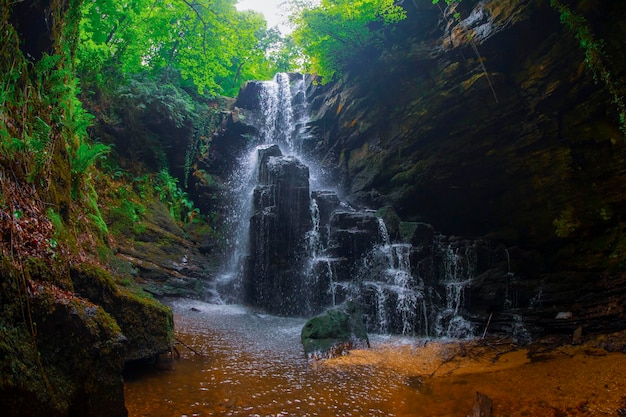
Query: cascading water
[[387, 273], [297, 251], [269, 195], [458, 274]]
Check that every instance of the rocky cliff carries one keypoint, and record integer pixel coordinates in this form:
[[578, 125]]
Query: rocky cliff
[[493, 120]]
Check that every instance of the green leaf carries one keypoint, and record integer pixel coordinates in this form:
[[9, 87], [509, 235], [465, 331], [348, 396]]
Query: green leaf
[[333, 33], [209, 43]]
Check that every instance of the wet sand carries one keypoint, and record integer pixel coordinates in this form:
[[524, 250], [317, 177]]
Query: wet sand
[[542, 379]]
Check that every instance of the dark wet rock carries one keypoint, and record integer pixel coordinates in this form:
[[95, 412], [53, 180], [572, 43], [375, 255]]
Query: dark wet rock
[[327, 203], [392, 222], [334, 332], [265, 170], [278, 230], [440, 148], [69, 364], [249, 95], [164, 258], [416, 233], [526, 152], [352, 234]]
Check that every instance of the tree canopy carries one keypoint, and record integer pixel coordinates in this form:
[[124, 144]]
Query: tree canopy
[[210, 45], [207, 43], [334, 32]]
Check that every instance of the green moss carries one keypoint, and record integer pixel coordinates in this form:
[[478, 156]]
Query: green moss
[[55, 348], [96, 215], [57, 222], [567, 223], [147, 324], [126, 214], [23, 385], [391, 219], [333, 331], [416, 233], [412, 175]]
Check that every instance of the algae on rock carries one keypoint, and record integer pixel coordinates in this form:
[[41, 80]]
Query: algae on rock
[[334, 332]]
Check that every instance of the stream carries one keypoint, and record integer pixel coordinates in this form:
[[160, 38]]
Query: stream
[[236, 362], [248, 364]]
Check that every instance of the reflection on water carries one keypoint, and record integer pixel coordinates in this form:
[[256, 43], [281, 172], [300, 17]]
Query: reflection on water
[[253, 365]]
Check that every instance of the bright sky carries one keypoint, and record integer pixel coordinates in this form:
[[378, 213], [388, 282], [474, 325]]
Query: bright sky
[[271, 10]]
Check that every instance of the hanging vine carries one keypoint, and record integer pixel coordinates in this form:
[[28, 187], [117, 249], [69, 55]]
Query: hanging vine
[[596, 57]]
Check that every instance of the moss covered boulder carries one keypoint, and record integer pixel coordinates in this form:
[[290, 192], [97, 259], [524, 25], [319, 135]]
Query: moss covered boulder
[[147, 324], [334, 332], [64, 359]]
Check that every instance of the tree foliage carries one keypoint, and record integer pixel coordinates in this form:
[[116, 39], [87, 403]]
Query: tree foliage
[[334, 32], [206, 42]]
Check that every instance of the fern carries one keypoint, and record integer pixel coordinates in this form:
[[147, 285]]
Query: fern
[[9, 146], [99, 222], [37, 144], [96, 214], [163, 99], [181, 206], [86, 155]]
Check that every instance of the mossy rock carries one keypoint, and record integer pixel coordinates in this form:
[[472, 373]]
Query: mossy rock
[[334, 332], [416, 233], [73, 364], [391, 219], [146, 323]]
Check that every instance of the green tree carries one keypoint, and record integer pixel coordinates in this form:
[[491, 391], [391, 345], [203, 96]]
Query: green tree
[[334, 32], [206, 42], [251, 53]]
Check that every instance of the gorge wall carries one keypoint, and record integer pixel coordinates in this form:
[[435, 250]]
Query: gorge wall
[[490, 127], [526, 151], [421, 130]]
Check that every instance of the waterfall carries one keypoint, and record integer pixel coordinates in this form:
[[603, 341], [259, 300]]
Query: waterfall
[[313, 236], [387, 273], [297, 249], [458, 274], [269, 208], [240, 186]]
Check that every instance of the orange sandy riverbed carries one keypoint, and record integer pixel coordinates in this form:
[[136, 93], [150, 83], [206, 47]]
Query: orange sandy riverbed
[[542, 379], [234, 362]]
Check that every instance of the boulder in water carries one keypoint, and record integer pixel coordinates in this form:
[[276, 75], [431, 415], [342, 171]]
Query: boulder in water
[[334, 332]]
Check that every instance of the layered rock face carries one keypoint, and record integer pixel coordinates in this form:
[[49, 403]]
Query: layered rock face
[[495, 160], [536, 159], [305, 251], [494, 127]]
